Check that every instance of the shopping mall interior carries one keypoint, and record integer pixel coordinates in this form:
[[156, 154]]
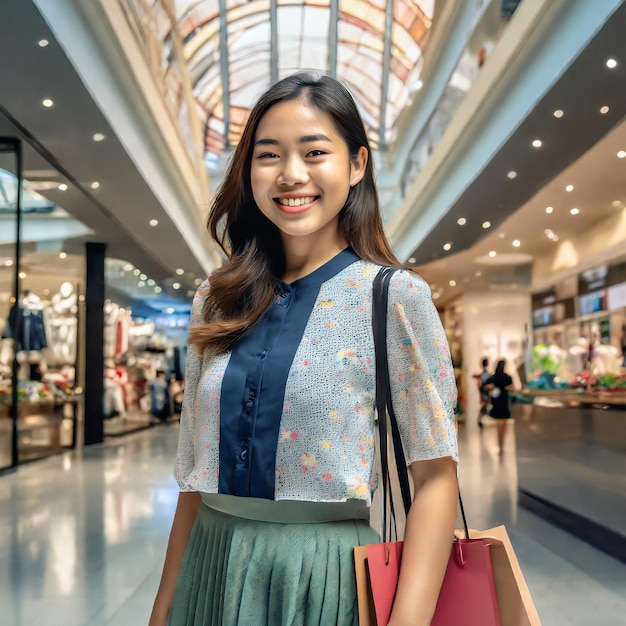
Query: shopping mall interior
[[498, 130]]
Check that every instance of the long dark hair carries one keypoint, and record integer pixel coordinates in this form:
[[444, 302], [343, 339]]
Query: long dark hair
[[242, 289]]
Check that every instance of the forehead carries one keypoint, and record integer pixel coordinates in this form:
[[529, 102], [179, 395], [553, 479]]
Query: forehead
[[294, 119]]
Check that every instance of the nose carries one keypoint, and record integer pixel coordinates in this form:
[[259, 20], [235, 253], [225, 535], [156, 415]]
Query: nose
[[293, 172]]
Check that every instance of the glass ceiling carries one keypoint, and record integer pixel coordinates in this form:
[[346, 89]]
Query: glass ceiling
[[235, 49]]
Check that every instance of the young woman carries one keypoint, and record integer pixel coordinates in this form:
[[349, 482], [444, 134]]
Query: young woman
[[276, 453], [498, 387]]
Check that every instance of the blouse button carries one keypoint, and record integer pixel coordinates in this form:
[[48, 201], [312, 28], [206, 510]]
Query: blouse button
[[248, 406]]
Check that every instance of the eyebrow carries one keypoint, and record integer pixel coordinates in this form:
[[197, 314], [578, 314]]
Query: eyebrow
[[304, 139]]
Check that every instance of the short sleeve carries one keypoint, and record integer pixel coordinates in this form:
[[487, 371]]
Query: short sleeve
[[185, 457], [423, 387]]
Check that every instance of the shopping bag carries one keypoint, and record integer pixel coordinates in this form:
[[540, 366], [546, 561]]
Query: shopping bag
[[514, 601], [467, 597]]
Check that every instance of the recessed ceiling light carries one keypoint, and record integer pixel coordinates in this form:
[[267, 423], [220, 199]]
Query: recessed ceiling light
[[176, 285], [501, 235], [554, 237], [548, 231], [574, 211], [180, 271], [8, 263], [141, 284], [198, 281], [549, 209], [452, 283], [447, 246], [154, 222], [151, 282], [157, 289], [62, 255], [436, 295], [143, 277], [461, 221], [604, 110], [569, 188], [99, 137], [512, 174], [478, 274], [47, 103], [128, 267], [517, 243], [492, 253], [558, 113], [95, 184], [62, 187], [43, 43], [136, 272], [611, 63], [537, 143], [22, 274], [617, 203], [486, 225], [621, 154]]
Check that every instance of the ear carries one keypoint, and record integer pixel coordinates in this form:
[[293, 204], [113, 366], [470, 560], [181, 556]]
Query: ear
[[357, 166]]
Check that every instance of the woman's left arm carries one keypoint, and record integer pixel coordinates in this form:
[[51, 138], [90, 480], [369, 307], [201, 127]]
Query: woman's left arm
[[427, 541]]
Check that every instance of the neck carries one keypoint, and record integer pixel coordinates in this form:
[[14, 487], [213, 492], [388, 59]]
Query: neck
[[303, 256]]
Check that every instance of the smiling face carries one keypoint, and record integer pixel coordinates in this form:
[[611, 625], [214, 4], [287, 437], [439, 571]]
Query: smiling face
[[301, 173]]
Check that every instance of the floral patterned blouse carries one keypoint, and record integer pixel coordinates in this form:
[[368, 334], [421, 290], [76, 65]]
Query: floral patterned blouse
[[288, 414]]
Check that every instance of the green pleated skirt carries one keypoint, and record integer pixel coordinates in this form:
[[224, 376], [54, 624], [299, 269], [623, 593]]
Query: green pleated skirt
[[246, 572]]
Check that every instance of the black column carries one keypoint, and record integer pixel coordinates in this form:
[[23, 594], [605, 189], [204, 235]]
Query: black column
[[94, 343]]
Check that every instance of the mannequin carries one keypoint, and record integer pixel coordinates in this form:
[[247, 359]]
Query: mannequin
[[61, 322]]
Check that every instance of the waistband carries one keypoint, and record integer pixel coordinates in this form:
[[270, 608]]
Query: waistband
[[286, 511]]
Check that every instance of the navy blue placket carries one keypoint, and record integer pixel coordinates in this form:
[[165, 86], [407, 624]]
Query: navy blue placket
[[253, 387]]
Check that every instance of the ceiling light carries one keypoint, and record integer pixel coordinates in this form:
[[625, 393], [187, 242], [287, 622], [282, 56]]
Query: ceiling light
[[62, 187], [128, 267], [574, 211], [62, 255], [176, 285], [43, 43], [604, 110], [569, 188], [554, 237], [447, 246], [136, 272], [558, 113], [486, 225], [549, 209], [157, 289], [478, 274], [151, 282], [141, 284], [154, 222], [99, 137], [617, 203], [512, 174], [537, 143], [143, 277], [8, 263], [436, 295], [47, 103], [452, 283], [461, 221], [22, 274], [501, 235], [180, 271], [170, 310], [548, 231], [95, 184], [198, 281], [621, 154], [516, 243], [611, 63], [492, 253], [81, 298]]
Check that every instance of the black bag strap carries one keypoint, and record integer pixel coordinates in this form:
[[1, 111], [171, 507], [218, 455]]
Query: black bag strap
[[384, 404]]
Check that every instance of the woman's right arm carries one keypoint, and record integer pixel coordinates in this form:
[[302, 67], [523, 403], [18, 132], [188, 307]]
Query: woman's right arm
[[186, 511]]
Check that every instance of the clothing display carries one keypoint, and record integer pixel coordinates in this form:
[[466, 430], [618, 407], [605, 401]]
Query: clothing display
[[278, 411], [26, 321], [61, 321], [117, 322]]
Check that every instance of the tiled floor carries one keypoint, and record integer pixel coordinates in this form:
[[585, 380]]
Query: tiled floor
[[82, 536]]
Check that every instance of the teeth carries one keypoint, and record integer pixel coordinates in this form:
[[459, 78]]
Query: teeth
[[296, 201]]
